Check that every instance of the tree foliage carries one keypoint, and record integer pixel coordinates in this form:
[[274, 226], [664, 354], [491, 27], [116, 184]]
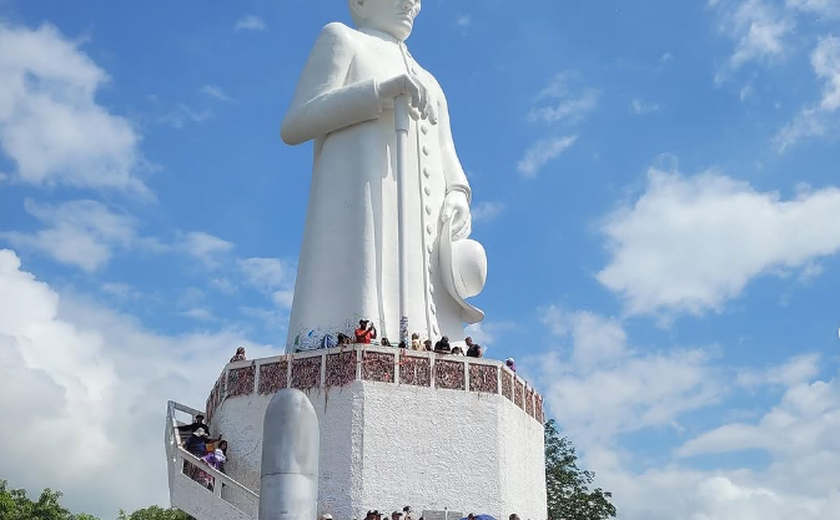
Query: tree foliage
[[15, 505], [569, 496]]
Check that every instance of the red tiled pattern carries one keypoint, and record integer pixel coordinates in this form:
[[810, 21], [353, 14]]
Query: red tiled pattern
[[519, 394], [484, 378], [449, 374], [273, 377], [306, 373], [341, 369], [507, 385], [529, 401], [415, 371], [378, 366], [241, 381], [539, 414]]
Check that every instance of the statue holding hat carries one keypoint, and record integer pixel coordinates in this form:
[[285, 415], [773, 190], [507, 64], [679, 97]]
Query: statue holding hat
[[348, 267]]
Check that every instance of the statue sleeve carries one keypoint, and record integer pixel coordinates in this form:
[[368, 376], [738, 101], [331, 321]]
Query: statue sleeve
[[323, 103], [453, 171]]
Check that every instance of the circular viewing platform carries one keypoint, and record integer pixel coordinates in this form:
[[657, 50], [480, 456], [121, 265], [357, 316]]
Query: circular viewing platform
[[341, 366]]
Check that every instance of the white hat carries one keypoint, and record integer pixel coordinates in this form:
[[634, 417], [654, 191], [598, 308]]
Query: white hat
[[220, 455], [464, 265]]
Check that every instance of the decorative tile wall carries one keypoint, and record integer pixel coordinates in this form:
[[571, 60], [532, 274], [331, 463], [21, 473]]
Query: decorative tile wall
[[378, 366], [507, 385], [449, 374], [529, 401], [241, 381], [273, 377], [306, 373], [415, 371], [341, 369], [519, 395], [484, 378]]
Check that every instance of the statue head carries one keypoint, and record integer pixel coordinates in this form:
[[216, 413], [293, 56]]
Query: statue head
[[395, 17]]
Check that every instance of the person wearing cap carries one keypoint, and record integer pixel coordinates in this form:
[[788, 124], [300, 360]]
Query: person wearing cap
[[511, 364], [407, 513], [396, 515], [366, 332], [198, 422]]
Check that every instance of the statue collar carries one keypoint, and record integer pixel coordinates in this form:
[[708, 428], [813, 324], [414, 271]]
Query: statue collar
[[382, 35]]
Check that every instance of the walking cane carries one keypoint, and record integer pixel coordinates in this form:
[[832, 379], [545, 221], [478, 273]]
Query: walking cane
[[401, 124]]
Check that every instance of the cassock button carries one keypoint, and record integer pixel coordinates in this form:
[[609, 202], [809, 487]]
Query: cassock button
[[424, 129], [433, 309], [429, 248], [429, 229], [428, 210], [425, 150], [430, 268], [431, 289], [426, 172], [427, 190]]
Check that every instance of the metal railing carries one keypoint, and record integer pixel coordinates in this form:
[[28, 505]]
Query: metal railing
[[223, 488]]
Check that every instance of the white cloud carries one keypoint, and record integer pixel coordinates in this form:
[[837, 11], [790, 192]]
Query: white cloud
[[797, 370], [827, 8], [571, 101], [600, 388], [689, 244], [759, 28], [183, 114], [216, 92], [541, 152], [77, 379], [809, 122], [50, 124], [250, 22], [210, 250], [486, 211], [597, 402], [264, 273], [640, 108], [826, 62], [463, 20], [82, 233]]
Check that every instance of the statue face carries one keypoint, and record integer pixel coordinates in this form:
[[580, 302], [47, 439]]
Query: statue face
[[396, 17]]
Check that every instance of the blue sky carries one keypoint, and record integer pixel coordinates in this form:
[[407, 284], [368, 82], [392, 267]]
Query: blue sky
[[656, 185]]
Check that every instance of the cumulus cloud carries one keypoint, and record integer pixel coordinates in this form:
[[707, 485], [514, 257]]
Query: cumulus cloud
[[689, 244], [565, 99], [216, 92], [82, 233], [486, 211], [599, 387], [826, 63], [209, 249], [541, 152], [827, 8], [71, 391], [640, 108], [623, 390], [51, 126], [759, 29], [250, 22]]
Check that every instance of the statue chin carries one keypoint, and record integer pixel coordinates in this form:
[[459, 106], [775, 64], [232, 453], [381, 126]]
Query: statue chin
[[398, 28]]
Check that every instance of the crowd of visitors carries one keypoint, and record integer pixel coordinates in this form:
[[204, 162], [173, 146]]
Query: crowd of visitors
[[366, 334], [195, 438], [406, 514]]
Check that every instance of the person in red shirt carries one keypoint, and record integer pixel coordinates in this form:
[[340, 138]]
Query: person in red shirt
[[365, 332]]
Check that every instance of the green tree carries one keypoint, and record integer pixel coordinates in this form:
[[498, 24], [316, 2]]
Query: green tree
[[14, 505], [569, 497], [155, 513]]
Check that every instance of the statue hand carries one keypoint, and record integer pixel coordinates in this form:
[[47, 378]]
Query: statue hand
[[457, 207], [421, 105]]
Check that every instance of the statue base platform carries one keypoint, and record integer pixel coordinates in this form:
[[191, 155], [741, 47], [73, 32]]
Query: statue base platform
[[438, 433]]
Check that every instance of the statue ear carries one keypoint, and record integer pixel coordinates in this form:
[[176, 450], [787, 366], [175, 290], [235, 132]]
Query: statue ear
[[357, 10]]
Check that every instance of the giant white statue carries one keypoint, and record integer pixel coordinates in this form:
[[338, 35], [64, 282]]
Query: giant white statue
[[378, 228]]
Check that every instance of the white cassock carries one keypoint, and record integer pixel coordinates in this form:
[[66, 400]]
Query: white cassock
[[348, 265]]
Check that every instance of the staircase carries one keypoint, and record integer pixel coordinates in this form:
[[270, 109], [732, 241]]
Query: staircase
[[222, 498]]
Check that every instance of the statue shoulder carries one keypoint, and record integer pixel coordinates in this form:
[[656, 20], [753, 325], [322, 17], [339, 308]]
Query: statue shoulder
[[337, 31]]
